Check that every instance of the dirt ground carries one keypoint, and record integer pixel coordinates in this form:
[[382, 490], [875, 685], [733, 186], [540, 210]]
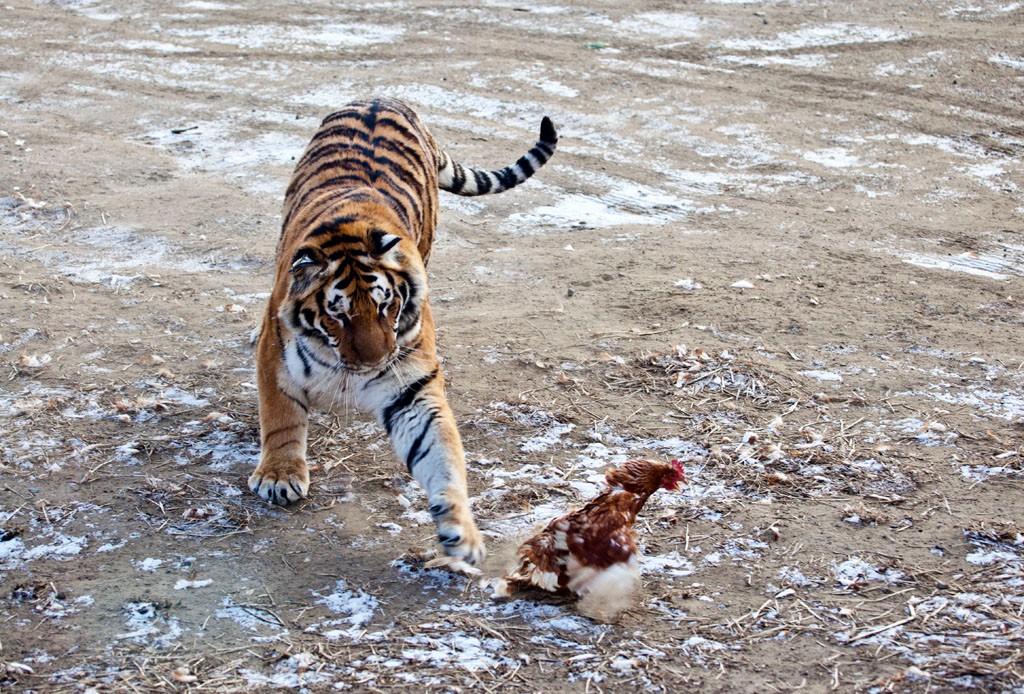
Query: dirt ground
[[780, 241]]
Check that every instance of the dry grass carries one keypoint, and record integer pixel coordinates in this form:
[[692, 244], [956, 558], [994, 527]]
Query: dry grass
[[760, 430]]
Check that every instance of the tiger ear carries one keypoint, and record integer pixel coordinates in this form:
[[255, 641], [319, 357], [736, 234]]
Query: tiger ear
[[381, 242]]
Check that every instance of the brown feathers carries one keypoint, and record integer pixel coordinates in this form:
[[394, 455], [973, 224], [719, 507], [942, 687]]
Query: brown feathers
[[594, 548]]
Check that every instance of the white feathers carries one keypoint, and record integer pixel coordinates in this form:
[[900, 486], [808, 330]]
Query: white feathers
[[592, 552], [611, 591], [605, 593], [617, 581]]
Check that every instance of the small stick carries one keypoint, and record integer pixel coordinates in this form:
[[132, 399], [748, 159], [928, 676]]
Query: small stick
[[85, 477], [887, 627]]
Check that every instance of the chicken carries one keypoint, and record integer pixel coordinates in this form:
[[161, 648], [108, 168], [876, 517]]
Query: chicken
[[593, 550]]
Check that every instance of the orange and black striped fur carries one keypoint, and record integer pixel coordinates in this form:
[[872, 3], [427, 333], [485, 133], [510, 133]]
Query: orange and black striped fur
[[348, 320]]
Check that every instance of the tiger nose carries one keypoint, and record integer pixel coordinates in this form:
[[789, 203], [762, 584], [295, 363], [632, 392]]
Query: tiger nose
[[371, 344]]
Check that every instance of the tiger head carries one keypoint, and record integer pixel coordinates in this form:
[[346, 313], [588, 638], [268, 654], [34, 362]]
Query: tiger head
[[356, 285]]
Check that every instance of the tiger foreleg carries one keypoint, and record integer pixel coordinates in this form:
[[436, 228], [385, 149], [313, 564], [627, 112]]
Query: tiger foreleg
[[424, 435], [282, 476]]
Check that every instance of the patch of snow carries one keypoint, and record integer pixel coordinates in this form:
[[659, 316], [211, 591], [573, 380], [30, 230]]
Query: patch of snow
[[146, 625], [207, 5], [63, 548], [1016, 63], [794, 576], [984, 472], [578, 210], [1008, 405], [533, 77], [984, 558], [358, 606], [806, 60], [157, 46], [459, 103], [295, 672], [441, 646], [855, 570], [988, 171], [293, 37], [817, 37], [833, 158], [671, 564], [184, 583], [246, 617], [11, 553], [553, 429], [819, 375], [664, 25], [147, 564]]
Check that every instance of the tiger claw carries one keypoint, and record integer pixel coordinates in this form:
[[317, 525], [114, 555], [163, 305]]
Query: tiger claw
[[456, 530], [281, 488], [462, 543], [497, 587], [453, 564]]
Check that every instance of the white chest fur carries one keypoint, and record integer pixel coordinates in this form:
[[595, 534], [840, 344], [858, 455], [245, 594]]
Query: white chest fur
[[328, 385]]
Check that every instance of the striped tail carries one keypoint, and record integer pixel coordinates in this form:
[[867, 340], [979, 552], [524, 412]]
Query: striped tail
[[462, 180]]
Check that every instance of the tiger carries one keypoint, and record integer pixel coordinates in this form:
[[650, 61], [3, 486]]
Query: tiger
[[348, 321]]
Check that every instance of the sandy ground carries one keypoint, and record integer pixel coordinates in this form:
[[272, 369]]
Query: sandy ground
[[780, 241]]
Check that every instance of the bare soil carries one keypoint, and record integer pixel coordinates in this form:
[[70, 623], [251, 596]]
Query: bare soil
[[780, 241]]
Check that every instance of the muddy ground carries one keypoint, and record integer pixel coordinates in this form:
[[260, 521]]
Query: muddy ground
[[780, 241]]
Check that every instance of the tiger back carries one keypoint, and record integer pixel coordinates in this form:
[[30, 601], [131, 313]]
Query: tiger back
[[348, 320]]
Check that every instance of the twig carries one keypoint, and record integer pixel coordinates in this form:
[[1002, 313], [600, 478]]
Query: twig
[[878, 630], [85, 478]]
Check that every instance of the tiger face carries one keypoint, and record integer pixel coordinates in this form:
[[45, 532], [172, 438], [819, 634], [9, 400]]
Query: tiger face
[[356, 288]]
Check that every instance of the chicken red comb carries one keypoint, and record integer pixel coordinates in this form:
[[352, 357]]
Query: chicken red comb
[[672, 480]]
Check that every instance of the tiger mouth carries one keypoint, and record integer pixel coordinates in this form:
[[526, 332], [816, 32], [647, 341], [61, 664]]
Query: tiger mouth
[[364, 369]]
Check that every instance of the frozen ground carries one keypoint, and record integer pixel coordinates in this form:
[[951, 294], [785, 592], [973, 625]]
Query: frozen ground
[[780, 241]]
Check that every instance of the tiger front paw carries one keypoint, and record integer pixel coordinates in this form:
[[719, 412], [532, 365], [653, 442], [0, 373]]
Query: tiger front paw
[[459, 536], [280, 482]]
